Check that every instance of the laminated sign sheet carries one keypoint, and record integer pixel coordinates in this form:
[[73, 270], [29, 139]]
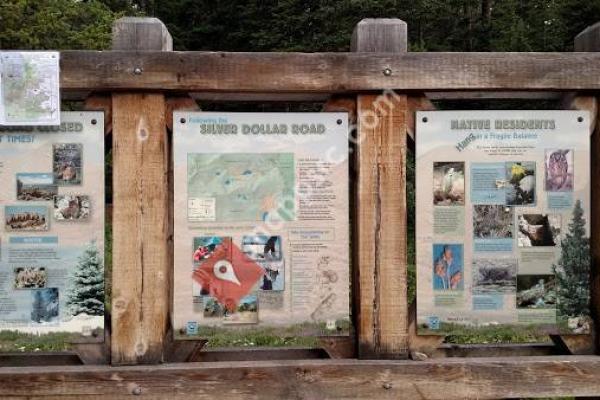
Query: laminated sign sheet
[[261, 224], [52, 235], [503, 209], [29, 88]]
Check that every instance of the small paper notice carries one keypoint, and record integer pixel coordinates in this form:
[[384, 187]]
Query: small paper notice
[[29, 88], [201, 209]]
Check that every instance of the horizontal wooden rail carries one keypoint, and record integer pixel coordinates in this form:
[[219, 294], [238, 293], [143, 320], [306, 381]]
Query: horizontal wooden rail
[[480, 378], [327, 72]]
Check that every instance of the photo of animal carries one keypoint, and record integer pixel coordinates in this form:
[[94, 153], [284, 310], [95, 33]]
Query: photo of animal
[[71, 208], [536, 291], [494, 275], [538, 230], [449, 183], [520, 187], [26, 218], [492, 221], [558, 170]]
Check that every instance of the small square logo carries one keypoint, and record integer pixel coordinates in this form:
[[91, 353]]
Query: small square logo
[[434, 323], [191, 328]]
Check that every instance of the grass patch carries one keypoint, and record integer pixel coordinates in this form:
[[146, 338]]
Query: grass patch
[[462, 334], [13, 341]]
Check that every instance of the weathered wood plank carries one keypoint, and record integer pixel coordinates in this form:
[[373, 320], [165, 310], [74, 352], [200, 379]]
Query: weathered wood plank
[[137, 33], [141, 264], [589, 40], [381, 205], [140, 224], [481, 378], [327, 72]]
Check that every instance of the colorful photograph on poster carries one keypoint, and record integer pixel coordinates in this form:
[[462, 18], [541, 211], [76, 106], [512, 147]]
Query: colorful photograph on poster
[[246, 311], [448, 267], [492, 222], [44, 306], [524, 227], [204, 247], [26, 218], [494, 275], [30, 277], [71, 207], [227, 275], [449, 183], [539, 230], [35, 187], [558, 171], [66, 162], [212, 308], [267, 251], [520, 183], [536, 291]]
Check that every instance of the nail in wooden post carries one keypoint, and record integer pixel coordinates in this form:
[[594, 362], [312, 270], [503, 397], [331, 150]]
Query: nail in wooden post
[[381, 202], [140, 303]]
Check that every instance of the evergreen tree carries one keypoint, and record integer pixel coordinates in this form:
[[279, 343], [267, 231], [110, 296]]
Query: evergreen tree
[[573, 268], [87, 292]]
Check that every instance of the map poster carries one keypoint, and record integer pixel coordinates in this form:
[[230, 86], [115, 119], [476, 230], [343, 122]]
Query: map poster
[[261, 225], [29, 88], [503, 211], [52, 234]]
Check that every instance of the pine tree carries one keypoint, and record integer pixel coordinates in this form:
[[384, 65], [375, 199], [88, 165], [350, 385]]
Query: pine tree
[[573, 268], [86, 294]]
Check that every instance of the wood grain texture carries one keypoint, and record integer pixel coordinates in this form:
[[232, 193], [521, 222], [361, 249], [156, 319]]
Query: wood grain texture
[[136, 33], [140, 305], [483, 378], [381, 219], [381, 239], [142, 259], [327, 72], [588, 39], [380, 35]]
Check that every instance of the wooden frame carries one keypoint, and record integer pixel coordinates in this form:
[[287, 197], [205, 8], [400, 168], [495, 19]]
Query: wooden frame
[[142, 81]]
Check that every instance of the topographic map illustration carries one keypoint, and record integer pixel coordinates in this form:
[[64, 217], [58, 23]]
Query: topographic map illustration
[[29, 88], [243, 186]]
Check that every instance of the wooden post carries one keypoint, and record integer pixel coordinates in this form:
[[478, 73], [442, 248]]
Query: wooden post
[[381, 203], [141, 264], [589, 40]]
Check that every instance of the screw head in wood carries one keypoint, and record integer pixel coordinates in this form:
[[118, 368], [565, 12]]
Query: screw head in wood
[[387, 385], [138, 71], [387, 71], [136, 391]]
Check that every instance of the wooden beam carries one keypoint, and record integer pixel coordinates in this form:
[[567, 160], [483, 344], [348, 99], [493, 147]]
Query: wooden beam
[[141, 265], [327, 72], [381, 208], [479, 378]]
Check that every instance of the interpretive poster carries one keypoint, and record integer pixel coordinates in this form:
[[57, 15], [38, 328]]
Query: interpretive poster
[[52, 238], [503, 210], [261, 225], [29, 88]]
